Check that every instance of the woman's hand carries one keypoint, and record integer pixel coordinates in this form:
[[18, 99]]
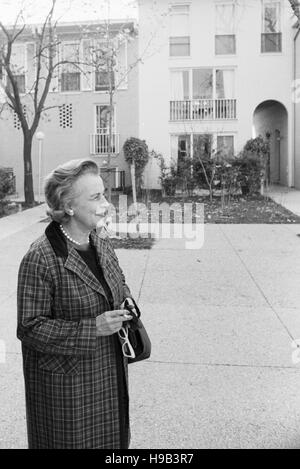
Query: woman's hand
[[111, 322]]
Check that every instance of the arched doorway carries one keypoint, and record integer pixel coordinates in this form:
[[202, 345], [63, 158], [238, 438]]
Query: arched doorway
[[271, 117]]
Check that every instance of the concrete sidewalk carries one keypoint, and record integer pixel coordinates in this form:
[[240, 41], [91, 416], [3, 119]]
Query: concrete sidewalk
[[285, 196], [21, 220], [222, 320]]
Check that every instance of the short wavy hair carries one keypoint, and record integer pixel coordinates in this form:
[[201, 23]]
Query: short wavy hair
[[59, 183]]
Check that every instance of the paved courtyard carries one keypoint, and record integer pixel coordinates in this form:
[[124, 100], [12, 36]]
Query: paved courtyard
[[222, 320]]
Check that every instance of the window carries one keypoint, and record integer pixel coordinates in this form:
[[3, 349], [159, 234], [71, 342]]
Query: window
[[225, 84], [179, 31], [70, 73], [184, 148], [203, 83], [102, 118], [225, 106], [70, 81], [202, 145], [271, 38], [225, 41], [202, 93], [207, 83], [180, 46], [225, 146], [102, 142], [186, 145], [102, 81], [180, 154], [180, 85], [102, 77]]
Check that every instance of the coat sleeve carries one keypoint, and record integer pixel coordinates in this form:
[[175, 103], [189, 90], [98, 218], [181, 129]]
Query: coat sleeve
[[126, 290], [37, 328]]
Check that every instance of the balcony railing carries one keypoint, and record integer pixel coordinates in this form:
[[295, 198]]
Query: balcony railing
[[203, 109], [99, 143]]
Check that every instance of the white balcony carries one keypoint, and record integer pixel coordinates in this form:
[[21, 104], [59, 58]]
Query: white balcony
[[203, 109], [99, 143]]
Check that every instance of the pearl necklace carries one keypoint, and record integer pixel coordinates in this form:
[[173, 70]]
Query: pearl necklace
[[71, 239]]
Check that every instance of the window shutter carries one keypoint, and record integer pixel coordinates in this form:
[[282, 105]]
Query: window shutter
[[55, 82], [18, 66], [31, 67], [87, 70], [18, 59], [122, 67], [45, 71]]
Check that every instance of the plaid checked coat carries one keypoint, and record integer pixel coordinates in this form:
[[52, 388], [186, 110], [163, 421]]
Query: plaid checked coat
[[70, 374]]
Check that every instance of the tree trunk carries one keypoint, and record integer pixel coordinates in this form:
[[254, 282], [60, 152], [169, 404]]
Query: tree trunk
[[133, 182], [28, 179]]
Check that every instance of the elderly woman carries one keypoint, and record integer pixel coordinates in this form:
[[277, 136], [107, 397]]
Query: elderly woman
[[71, 291]]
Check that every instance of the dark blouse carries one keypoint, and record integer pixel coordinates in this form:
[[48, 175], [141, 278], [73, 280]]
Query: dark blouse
[[90, 258]]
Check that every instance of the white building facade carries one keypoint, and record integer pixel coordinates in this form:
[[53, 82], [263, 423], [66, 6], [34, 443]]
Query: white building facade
[[215, 74], [76, 124], [296, 92]]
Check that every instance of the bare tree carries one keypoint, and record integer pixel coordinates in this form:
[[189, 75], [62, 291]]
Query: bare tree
[[45, 41], [295, 4]]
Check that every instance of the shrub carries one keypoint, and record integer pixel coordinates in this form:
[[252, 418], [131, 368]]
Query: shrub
[[136, 150], [6, 184], [6, 187], [168, 176], [202, 165], [185, 177], [253, 161], [212, 171]]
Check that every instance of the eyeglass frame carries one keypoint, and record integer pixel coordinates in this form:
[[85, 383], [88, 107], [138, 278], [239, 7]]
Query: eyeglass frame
[[126, 342]]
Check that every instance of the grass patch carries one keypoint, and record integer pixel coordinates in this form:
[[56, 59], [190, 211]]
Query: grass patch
[[131, 243], [241, 210]]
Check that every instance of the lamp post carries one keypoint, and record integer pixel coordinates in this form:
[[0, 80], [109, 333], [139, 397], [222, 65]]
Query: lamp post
[[40, 137]]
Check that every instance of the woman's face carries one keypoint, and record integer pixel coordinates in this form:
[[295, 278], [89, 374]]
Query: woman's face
[[89, 204]]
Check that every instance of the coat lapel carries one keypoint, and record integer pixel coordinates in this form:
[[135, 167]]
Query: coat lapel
[[73, 261], [76, 264]]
